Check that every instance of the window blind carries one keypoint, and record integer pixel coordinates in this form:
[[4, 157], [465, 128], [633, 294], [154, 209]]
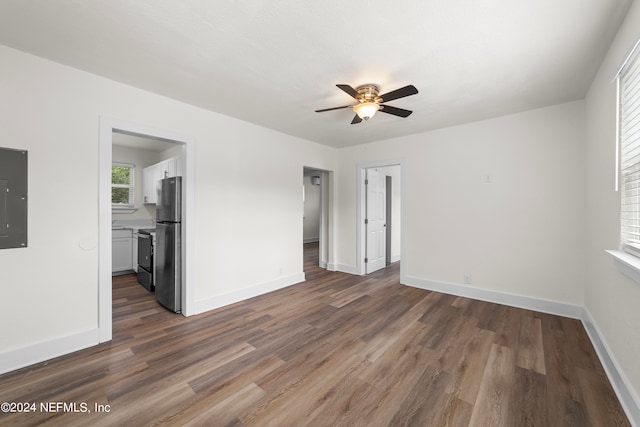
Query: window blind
[[629, 134]]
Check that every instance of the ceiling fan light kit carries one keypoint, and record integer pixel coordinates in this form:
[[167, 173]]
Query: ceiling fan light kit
[[369, 102], [366, 110]]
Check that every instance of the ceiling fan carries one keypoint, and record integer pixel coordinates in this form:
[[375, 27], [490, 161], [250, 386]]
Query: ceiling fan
[[369, 101]]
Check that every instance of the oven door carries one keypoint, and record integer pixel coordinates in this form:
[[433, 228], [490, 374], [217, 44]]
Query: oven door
[[145, 261], [145, 252]]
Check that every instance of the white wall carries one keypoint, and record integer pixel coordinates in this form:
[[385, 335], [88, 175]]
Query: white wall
[[53, 112], [175, 151], [523, 233], [611, 298]]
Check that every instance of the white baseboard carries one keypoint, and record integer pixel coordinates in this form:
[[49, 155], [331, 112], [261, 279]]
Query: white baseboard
[[514, 300], [619, 381], [395, 258], [621, 385], [40, 352], [36, 353], [232, 297]]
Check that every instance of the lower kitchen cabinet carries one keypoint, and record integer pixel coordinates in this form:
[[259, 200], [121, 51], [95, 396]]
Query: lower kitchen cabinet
[[121, 250]]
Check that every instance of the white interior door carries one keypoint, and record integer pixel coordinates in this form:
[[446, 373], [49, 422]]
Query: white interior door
[[375, 221]]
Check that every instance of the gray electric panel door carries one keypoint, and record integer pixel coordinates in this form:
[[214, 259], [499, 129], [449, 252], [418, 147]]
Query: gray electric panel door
[[13, 198]]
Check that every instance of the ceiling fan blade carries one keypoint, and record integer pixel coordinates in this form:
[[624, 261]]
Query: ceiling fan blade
[[334, 108], [395, 111], [356, 119], [348, 89], [399, 93]]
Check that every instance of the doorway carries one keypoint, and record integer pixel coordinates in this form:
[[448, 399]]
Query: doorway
[[316, 197], [107, 128], [380, 215], [140, 162]]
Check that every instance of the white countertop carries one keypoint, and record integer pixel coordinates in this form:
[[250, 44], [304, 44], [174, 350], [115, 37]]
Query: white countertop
[[132, 224]]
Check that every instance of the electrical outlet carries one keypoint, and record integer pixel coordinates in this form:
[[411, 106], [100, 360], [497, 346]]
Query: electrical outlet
[[467, 279]]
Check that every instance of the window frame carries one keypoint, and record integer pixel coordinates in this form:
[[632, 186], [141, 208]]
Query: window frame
[[131, 186], [627, 142]]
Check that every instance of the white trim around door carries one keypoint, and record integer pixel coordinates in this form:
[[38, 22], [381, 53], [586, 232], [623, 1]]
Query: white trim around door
[[361, 211], [107, 127]]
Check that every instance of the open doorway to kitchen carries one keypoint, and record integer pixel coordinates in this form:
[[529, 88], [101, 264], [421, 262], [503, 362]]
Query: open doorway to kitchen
[[138, 164], [316, 197], [380, 216], [171, 144]]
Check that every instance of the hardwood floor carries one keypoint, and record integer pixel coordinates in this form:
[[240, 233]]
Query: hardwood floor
[[337, 350]]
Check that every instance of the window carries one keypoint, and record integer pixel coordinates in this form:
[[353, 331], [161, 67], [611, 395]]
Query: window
[[629, 146], [122, 185]]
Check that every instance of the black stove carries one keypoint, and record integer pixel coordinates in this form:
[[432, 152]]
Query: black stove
[[145, 258]]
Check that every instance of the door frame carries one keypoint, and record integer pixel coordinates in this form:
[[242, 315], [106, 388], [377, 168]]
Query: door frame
[[107, 126], [361, 235]]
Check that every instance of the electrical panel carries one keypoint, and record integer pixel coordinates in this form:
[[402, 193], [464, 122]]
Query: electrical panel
[[13, 198]]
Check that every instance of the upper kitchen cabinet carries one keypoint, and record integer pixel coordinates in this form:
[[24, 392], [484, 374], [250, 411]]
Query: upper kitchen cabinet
[[154, 173], [179, 164], [150, 176]]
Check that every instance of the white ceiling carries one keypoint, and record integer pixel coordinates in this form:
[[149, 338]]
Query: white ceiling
[[273, 62], [140, 142]]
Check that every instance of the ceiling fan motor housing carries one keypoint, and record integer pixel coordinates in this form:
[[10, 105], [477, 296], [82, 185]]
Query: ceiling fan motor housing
[[368, 93]]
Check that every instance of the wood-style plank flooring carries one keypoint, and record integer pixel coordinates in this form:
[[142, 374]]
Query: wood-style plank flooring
[[336, 350]]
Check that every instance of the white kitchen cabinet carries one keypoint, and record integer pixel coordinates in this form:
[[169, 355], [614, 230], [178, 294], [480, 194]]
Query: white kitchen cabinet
[[150, 177], [121, 250], [154, 173], [179, 166], [169, 167], [148, 185]]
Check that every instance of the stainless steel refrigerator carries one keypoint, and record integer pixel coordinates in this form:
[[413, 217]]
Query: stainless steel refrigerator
[[168, 250]]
